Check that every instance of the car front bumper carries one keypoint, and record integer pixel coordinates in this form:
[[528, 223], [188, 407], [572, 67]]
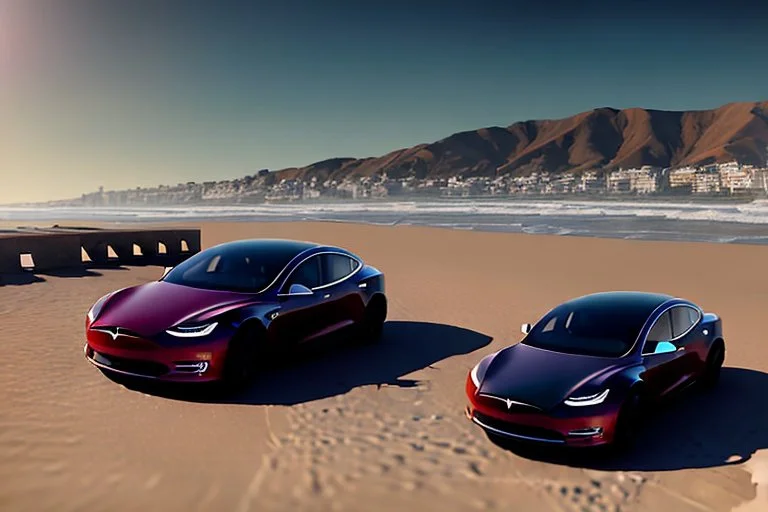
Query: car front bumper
[[155, 368], [138, 357], [593, 427]]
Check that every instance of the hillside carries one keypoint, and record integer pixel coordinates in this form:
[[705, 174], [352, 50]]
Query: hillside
[[601, 138]]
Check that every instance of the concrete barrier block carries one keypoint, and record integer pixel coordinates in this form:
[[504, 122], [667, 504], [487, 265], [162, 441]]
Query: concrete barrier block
[[61, 247]]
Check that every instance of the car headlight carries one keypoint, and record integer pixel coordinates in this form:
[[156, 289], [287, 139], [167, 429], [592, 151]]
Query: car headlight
[[581, 401], [97, 307], [192, 331]]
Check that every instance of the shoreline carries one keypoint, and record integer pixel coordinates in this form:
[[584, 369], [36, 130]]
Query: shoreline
[[593, 198], [612, 227]]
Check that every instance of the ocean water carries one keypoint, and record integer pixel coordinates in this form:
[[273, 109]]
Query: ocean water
[[649, 220]]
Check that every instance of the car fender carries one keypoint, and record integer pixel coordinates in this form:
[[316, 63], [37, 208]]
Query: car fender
[[620, 380], [263, 313], [216, 311], [370, 283], [713, 324]]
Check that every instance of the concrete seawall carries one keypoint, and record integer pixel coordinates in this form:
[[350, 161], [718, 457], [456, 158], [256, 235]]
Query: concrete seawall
[[55, 248]]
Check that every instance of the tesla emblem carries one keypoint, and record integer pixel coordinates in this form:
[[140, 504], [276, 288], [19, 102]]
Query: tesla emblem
[[511, 402], [113, 334]]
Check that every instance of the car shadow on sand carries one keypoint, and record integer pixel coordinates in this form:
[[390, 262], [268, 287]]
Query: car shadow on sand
[[32, 277], [339, 364], [694, 429]]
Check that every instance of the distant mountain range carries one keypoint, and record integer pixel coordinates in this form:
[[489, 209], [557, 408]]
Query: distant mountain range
[[604, 138]]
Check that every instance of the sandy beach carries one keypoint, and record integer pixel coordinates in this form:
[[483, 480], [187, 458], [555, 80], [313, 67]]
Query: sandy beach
[[383, 427]]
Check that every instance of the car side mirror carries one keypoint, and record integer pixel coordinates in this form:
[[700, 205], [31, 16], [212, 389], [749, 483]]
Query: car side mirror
[[664, 347], [525, 328], [298, 290]]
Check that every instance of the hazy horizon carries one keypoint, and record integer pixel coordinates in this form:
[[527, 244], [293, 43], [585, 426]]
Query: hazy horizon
[[127, 94]]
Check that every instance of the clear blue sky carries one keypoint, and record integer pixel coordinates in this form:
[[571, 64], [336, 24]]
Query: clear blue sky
[[139, 93]]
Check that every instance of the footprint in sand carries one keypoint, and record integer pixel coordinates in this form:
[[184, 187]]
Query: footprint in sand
[[601, 492]]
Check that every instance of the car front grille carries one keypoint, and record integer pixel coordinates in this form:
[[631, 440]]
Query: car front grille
[[131, 366]]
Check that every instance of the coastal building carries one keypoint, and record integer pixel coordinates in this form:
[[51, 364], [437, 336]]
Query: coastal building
[[619, 182], [682, 177], [455, 186], [591, 182], [707, 181], [728, 167], [736, 179], [562, 184], [641, 181], [525, 184], [644, 180]]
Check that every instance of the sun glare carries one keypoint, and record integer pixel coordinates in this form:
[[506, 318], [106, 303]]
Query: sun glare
[[15, 35]]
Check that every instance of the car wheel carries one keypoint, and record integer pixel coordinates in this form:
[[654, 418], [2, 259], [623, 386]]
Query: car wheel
[[373, 320], [628, 421], [242, 358], [714, 364]]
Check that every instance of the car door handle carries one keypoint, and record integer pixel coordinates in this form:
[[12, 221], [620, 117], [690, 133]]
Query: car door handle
[[326, 296]]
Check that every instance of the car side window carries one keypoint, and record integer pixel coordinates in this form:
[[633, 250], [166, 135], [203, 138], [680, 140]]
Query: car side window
[[683, 318], [550, 326], [337, 267], [661, 331], [307, 274]]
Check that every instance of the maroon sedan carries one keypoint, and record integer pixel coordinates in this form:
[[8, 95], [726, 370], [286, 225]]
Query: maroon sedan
[[584, 373], [228, 310]]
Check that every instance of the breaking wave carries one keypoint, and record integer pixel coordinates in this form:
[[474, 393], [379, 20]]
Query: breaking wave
[[755, 212]]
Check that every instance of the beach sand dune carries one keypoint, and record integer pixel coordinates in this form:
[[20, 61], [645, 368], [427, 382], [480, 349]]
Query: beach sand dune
[[382, 427]]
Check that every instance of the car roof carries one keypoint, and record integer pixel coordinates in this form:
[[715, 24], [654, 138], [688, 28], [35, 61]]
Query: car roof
[[279, 248], [621, 300]]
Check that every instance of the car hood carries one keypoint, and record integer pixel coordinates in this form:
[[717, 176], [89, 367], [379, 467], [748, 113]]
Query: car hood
[[540, 377], [150, 308]]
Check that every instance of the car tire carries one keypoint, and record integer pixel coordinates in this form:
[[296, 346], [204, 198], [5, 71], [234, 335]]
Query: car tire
[[713, 366], [242, 359], [374, 317], [628, 422]]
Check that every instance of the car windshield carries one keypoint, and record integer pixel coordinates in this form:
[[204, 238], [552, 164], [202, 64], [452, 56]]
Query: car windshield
[[230, 268], [588, 330]]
